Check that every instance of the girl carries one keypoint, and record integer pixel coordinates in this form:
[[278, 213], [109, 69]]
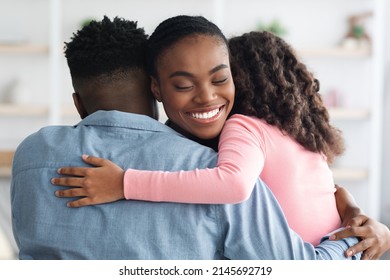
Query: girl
[[279, 129]]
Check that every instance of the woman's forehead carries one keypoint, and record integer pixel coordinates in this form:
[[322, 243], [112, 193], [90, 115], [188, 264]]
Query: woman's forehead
[[194, 50]]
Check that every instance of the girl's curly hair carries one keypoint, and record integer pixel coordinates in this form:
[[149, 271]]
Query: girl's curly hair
[[273, 85]]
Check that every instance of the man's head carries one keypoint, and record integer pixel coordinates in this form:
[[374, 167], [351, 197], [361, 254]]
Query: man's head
[[107, 65]]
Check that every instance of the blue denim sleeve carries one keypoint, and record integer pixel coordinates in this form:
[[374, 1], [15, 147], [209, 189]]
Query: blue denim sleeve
[[258, 229], [333, 248]]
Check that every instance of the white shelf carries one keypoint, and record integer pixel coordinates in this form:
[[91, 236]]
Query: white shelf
[[24, 48], [17, 110], [350, 174], [338, 52], [348, 114], [5, 172], [11, 110]]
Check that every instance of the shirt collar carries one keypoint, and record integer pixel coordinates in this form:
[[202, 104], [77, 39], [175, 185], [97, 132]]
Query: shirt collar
[[125, 120]]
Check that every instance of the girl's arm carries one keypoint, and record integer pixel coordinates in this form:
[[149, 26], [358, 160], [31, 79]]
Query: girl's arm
[[375, 236], [240, 161]]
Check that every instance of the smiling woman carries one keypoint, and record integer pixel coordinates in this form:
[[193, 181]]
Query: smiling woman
[[188, 60], [195, 85]]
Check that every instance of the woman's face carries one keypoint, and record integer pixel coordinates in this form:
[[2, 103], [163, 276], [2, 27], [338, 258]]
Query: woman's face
[[195, 85]]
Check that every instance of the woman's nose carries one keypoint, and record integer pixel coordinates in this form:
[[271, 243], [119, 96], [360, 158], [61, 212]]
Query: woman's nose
[[204, 95]]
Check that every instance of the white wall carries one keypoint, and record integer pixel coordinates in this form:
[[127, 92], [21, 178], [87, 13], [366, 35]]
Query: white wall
[[385, 213]]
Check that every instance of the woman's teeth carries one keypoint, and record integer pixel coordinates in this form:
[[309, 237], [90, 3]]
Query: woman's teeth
[[205, 115]]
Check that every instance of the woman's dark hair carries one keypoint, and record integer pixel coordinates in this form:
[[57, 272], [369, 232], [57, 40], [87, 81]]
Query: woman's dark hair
[[174, 29], [104, 47], [273, 85]]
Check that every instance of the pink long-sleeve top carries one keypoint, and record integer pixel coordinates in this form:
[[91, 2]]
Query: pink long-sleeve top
[[249, 147]]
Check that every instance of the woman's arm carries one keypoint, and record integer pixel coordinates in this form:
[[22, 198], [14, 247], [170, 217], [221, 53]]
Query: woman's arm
[[346, 205], [375, 236], [240, 161]]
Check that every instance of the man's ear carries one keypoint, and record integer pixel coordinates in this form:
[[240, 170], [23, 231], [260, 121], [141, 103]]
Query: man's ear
[[79, 105], [155, 88]]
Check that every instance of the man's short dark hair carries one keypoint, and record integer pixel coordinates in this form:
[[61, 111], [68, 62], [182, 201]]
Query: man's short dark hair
[[106, 48]]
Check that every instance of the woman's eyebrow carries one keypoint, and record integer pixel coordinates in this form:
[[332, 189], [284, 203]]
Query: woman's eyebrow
[[188, 74], [181, 73], [217, 68]]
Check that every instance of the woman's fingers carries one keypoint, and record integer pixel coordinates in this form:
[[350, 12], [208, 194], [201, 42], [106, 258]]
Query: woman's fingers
[[361, 246]]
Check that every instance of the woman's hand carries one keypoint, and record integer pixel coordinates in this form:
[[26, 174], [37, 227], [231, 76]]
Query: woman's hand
[[100, 184], [375, 236]]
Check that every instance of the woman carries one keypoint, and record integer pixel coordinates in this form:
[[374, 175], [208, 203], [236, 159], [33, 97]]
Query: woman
[[277, 104]]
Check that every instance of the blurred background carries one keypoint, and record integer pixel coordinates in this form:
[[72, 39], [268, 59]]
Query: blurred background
[[343, 42]]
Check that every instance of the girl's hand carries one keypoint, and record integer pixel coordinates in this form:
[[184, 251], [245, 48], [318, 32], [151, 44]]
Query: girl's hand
[[375, 237], [100, 184]]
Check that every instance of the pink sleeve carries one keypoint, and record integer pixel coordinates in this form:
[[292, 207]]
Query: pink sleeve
[[240, 162]]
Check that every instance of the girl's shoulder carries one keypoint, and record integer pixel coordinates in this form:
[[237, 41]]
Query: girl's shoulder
[[249, 120]]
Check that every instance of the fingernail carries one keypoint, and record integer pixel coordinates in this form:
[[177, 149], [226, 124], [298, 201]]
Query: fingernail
[[85, 156], [69, 205], [332, 237], [349, 253], [53, 181], [59, 170], [57, 193]]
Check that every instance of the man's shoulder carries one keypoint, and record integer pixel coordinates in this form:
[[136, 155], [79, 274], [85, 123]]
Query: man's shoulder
[[45, 134], [40, 143]]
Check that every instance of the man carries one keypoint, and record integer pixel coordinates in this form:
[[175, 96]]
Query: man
[[111, 94]]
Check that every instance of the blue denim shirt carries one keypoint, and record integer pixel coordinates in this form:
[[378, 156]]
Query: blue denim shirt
[[44, 228]]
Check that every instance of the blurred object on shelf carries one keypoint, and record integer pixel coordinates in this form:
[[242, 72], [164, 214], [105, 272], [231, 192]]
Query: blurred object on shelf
[[333, 99], [16, 92], [275, 27], [357, 36], [86, 21], [6, 163]]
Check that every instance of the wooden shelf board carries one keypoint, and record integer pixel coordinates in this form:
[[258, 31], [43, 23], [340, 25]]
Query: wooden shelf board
[[334, 52], [23, 48], [19, 110], [350, 174], [23, 110], [348, 114], [6, 157], [5, 172]]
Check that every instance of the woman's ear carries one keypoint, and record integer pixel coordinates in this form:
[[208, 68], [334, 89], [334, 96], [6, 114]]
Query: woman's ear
[[155, 88], [79, 105]]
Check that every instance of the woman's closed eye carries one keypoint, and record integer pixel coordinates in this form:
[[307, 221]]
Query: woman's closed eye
[[184, 87], [220, 81]]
